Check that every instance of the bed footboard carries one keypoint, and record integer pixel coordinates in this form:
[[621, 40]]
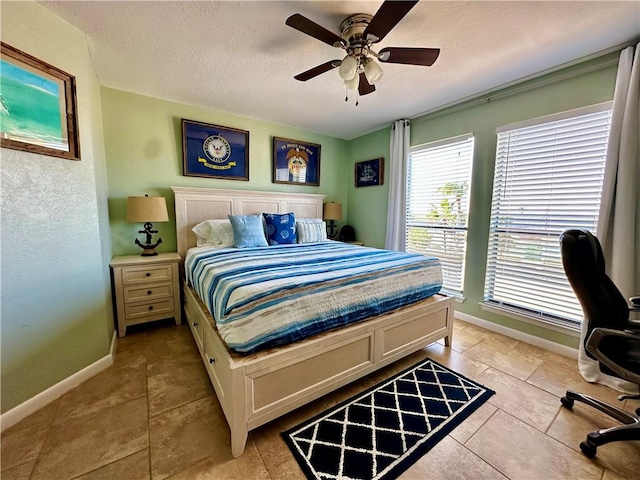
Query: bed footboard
[[256, 389]]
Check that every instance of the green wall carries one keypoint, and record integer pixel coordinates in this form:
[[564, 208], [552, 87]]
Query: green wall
[[368, 205], [143, 143], [56, 309], [558, 92]]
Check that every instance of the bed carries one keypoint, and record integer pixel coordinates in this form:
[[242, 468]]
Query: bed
[[256, 388]]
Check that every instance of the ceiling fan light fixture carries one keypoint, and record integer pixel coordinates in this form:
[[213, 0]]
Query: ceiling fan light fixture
[[372, 71], [348, 68], [358, 33], [353, 83]]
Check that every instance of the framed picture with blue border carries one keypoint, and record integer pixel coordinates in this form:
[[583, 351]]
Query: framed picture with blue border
[[296, 162], [38, 106], [215, 152], [369, 172]]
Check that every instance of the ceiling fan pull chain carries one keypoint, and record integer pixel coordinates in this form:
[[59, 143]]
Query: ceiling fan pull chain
[[357, 98]]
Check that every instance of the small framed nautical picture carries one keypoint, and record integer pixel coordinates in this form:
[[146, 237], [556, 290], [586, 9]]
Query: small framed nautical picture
[[296, 162], [215, 152], [369, 172], [38, 107]]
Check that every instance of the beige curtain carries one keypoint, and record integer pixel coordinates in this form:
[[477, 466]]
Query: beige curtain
[[397, 207], [619, 216]]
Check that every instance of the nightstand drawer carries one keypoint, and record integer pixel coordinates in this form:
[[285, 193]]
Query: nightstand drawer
[[136, 310], [134, 275], [148, 292]]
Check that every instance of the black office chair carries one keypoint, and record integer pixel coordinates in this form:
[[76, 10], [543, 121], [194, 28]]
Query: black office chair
[[612, 338]]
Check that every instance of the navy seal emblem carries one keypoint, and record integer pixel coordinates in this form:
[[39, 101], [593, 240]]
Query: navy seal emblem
[[217, 149]]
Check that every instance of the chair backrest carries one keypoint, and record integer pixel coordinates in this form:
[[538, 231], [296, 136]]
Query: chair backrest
[[602, 303]]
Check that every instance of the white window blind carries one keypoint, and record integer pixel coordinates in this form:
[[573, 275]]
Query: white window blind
[[548, 178], [438, 205]]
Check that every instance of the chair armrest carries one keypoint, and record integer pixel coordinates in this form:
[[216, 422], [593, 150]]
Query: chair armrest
[[593, 346]]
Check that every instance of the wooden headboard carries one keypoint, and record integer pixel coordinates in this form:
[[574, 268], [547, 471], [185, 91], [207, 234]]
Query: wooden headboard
[[194, 205]]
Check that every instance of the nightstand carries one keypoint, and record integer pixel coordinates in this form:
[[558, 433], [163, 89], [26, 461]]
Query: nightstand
[[146, 289]]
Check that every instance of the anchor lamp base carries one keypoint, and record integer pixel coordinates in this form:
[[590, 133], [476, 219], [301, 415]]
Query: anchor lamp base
[[148, 248]]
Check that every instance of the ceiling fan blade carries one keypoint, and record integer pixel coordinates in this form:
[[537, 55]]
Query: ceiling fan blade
[[387, 17], [409, 56], [315, 71], [304, 25], [364, 87]]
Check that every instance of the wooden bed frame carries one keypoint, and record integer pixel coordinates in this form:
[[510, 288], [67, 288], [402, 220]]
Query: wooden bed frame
[[258, 388]]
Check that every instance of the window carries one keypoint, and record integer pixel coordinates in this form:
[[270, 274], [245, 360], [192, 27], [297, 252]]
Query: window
[[548, 177], [438, 205]]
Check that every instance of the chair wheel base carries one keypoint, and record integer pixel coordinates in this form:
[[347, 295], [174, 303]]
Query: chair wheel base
[[566, 403], [588, 449]]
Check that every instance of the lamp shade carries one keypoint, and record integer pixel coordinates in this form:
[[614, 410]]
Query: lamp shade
[[332, 211], [353, 83], [372, 71], [147, 209], [348, 68]]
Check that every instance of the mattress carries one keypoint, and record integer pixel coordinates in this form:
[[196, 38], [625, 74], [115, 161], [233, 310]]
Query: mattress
[[269, 296]]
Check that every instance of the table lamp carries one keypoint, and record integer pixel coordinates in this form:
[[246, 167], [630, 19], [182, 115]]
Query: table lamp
[[147, 210], [332, 211]]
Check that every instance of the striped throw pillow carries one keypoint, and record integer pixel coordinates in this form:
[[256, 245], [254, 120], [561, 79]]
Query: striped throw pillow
[[311, 230]]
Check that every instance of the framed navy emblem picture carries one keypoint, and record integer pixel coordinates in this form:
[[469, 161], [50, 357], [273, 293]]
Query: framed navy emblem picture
[[214, 151], [369, 172], [296, 162]]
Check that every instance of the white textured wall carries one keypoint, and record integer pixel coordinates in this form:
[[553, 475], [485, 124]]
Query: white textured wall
[[55, 311]]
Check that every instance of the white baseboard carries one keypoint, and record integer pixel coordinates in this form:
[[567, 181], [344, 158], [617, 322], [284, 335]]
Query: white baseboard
[[22, 411], [518, 335]]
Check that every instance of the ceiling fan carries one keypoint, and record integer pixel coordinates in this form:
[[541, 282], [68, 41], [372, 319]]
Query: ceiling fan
[[358, 33]]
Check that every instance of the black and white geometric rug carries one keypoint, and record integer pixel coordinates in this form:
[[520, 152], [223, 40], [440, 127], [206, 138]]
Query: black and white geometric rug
[[381, 432]]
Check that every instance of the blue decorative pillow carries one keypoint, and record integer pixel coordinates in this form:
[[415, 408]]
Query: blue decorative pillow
[[248, 231], [281, 228]]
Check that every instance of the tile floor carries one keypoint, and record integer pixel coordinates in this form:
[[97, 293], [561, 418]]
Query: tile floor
[[153, 414]]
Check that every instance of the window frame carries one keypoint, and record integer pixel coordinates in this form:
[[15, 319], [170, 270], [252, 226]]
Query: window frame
[[489, 303], [463, 139]]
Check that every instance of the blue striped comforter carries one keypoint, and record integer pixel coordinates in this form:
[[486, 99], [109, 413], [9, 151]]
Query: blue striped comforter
[[263, 297]]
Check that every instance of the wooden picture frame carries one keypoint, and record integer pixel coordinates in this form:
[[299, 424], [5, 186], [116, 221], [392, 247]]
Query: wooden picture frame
[[38, 106], [214, 151], [296, 162], [369, 173]]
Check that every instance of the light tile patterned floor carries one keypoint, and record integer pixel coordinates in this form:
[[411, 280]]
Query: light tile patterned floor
[[154, 415]]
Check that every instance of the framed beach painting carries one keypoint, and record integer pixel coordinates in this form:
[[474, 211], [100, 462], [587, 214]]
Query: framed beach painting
[[214, 151], [296, 162], [369, 172], [38, 109]]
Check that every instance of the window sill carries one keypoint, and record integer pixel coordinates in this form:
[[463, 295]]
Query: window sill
[[532, 320]]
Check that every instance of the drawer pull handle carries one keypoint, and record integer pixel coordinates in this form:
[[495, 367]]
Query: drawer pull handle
[[212, 360], [149, 292], [148, 274], [150, 307], [195, 324]]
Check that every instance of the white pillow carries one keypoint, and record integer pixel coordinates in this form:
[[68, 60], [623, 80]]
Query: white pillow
[[217, 233], [311, 230]]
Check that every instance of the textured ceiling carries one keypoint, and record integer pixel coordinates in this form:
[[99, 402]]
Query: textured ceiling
[[240, 57]]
